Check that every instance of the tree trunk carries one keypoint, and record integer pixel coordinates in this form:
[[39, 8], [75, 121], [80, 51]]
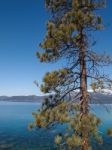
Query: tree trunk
[[83, 91]]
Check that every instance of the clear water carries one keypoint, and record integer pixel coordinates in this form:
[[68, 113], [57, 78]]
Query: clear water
[[14, 133]]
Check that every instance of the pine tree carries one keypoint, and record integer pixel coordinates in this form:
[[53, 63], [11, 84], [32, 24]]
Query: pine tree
[[68, 37]]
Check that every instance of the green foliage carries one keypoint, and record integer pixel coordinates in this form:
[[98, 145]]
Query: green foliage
[[53, 80], [30, 126], [63, 113], [109, 132], [63, 31], [93, 86], [58, 139], [98, 85], [67, 37]]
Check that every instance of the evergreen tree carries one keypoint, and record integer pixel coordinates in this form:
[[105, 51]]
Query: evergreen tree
[[68, 37]]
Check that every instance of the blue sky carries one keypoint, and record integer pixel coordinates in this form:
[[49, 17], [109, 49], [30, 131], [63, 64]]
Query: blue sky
[[22, 28]]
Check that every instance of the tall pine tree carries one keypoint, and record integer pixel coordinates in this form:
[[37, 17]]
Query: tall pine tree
[[68, 37]]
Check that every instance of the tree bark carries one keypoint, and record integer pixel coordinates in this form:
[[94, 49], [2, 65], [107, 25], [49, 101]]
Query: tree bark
[[83, 90]]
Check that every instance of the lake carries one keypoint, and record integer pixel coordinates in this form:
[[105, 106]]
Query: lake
[[14, 133]]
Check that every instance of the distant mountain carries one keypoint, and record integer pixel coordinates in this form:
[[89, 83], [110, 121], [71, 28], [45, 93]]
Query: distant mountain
[[100, 98], [30, 98], [96, 98]]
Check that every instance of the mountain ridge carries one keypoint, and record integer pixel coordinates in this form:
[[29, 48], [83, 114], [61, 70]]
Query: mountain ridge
[[96, 97], [22, 98]]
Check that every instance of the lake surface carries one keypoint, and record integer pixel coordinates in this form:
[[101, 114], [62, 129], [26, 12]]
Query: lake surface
[[14, 133]]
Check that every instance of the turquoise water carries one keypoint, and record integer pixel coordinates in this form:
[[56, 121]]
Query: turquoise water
[[14, 134]]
